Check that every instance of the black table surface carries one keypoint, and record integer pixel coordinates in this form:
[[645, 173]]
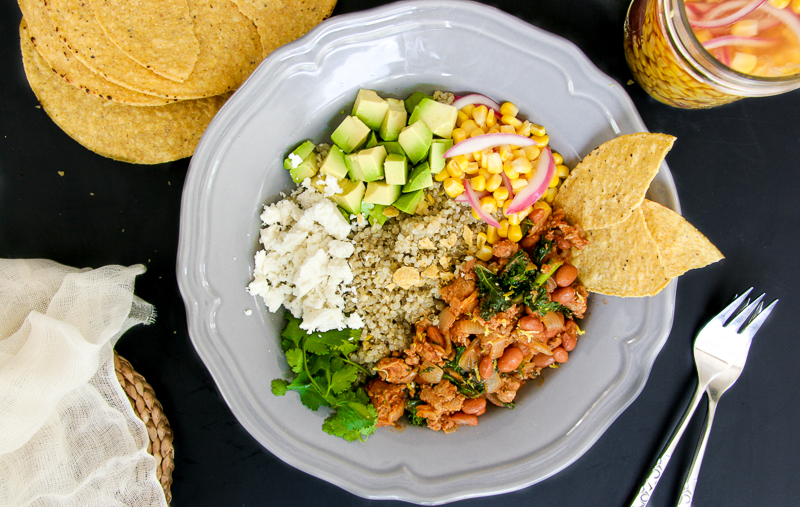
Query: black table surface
[[737, 170]]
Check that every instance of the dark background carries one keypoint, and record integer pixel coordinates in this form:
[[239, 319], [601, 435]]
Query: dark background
[[737, 172]]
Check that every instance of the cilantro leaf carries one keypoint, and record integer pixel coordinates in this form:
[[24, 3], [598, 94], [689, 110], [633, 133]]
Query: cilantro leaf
[[279, 387], [343, 378], [295, 359]]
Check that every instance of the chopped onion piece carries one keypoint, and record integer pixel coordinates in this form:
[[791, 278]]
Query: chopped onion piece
[[463, 197], [507, 183], [709, 21], [486, 141], [788, 19], [473, 200], [537, 185], [734, 40], [476, 98]]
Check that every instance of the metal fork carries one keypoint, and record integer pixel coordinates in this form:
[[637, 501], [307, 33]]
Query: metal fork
[[720, 351]]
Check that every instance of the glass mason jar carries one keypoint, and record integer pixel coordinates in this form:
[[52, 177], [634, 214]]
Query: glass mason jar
[[669, 61]]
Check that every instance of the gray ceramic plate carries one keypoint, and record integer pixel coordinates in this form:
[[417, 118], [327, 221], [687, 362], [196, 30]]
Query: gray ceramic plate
[[300, 92]]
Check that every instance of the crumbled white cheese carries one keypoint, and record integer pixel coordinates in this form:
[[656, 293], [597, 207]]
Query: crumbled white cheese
[[295, 160], [303, 265]]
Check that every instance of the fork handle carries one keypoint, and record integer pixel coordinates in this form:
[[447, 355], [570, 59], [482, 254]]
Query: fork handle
[[643, 496], [691, 479]]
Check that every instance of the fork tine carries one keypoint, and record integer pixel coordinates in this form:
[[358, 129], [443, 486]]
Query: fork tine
[[759, 319], [725, 314], [745, 315]]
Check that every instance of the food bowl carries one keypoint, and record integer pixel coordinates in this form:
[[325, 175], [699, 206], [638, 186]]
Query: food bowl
[[300, 92]]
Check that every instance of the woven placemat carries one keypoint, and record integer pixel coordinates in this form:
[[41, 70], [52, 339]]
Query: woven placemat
[[148, 408]]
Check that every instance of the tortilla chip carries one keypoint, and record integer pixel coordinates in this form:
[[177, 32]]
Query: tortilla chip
[[282, 21], [49, 45], [229, 49], [143, 135], [682, 247], [622, 260], [157, 34], [607, 185]]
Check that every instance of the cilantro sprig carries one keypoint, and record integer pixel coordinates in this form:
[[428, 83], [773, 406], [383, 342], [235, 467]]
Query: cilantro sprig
[[326, 377]]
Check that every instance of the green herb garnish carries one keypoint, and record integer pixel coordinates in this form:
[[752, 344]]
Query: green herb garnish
[[325, 376]]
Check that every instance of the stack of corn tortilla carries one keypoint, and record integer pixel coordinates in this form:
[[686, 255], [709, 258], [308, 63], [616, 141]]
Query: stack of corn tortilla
[[139, 80]]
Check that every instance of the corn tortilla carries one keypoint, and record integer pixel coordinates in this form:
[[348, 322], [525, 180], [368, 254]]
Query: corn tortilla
[[229, 49], [607, 185], [142, 135], [622, 260], [64, 63], [157, 34], [282, 21], [681, 246]]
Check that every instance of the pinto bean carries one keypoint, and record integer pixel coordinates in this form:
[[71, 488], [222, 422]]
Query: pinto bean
[[510, 360], [563, 295], [560, 355], [531, 323], [565, 275], [542, 360], [474, 406], [529, 241], [462, 419], [486, 367], [568, 342]]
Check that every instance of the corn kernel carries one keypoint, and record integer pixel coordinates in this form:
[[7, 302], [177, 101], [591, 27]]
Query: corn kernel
[[555, 181], [514, 233], [549, 195], [518, 184], [479, 114], [494, 163], [486, 174], [541, 141], [505, 207], [508, 129], [537, 130], [454, 170], [488, 204], [458, 135], [468, 126], [510, 171], [461, 160], [505, 152], [491, 235], [743, 62], [557, 158], [512, 121], [475, 215], [491, 118], [468, 109], [508, 108], [532, 152], [480, 240], [518, 153], [493, 130], [484, 253], [524, 129], [477, 132], [441, 176], [494, 182], [472, 168], [522, 165], [562, 171], [461, 118], [514, 219], [746, 27], [478, 183], [500, 195], [453, 187], [795, 6], [779, 4], [502, 231], [477, 156], [542, 205]]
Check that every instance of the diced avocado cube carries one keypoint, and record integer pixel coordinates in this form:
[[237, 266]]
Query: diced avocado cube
[[372, 140], [370, 108], [438, 148], [419, 178], [371, 163], [307, 169], [380, 192], [374, 213], [351, 196], [394, 121], [416, 140], [353, 167], [350, 135], [296, 157], [395, 167], [393, 147], [440, 118], [409, 202], [334, 163], [414, 99]]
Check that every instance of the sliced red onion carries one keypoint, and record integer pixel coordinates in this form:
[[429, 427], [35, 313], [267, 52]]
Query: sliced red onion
[[476, 98], [735, 40], [710, 21], [463, 197], [486, 141], [537, 185], [723, 54], [473, 200], [507, 183], [789, 19]]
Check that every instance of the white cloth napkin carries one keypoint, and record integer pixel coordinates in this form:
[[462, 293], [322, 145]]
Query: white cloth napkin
[[68, 435]]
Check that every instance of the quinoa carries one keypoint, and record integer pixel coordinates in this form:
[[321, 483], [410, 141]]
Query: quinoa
[[399, 268]]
